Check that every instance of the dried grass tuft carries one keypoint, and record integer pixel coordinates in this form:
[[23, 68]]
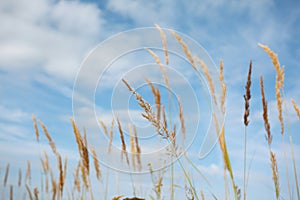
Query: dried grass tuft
[[181, 117], [6, 175], [35, 128], [185, 50], [50, 140], [162, 68], [296, 108], [36, 193], [265, 112], [223, 85], [29, 192], [104, 127], [164, 41], [111, 135], [124, 151], [275, 175], [279, 82], [209, 78], [96, 164], [247, 96], [20, 178], [28, 173]]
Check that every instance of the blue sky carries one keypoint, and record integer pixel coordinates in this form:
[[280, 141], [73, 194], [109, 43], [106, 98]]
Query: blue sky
[[44, 43]]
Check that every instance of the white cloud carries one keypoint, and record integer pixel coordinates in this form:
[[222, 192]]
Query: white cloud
[[13, 115], [53, 36]]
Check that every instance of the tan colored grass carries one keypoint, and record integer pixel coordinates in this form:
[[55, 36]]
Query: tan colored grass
[[225, 155], [6, 174], [50, 140], [296, 108], [20, 178], [137, 149], [124, 151], [279, 82], [132, 147], [84, 175], [185, 49], [104, 127], [35, 128], [96, 164], [60, 184], [36, 193], [202, 195], [76, 177], [247, 96], [149, 114], [275, 175], [157, 98], [164, 41], [111, 135], [162, 68], [223, 85], [181, 117], [28, 173], [54, 185], [82, 147], [29, 192], [11, 192], [265, 112], [208, 78], [65, 169]]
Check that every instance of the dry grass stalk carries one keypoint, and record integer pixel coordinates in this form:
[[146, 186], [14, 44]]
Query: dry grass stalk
[[20, 178], [35, 128], [76, 177], [137, 149], [36, 193], [226, 158], [164, 41], [202, 195], [43, 164], [6, 175], [132, 148], [181, 117], [279, 82], [50, 140], [29, 192], [104, 127], [111, 135], [77, 136], [61, 175], [46, 162], [82, 147], [84, 175], [265, 112], [275, 175], [65, 168], [124, 151], [149, 114], [185, 49], [11, 192], [157, 99], [173, 139], [96, 164], [247, 96], [223, 96], [54, 185], [296, 108], [162, 68], [28, 173], [208, 78]]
